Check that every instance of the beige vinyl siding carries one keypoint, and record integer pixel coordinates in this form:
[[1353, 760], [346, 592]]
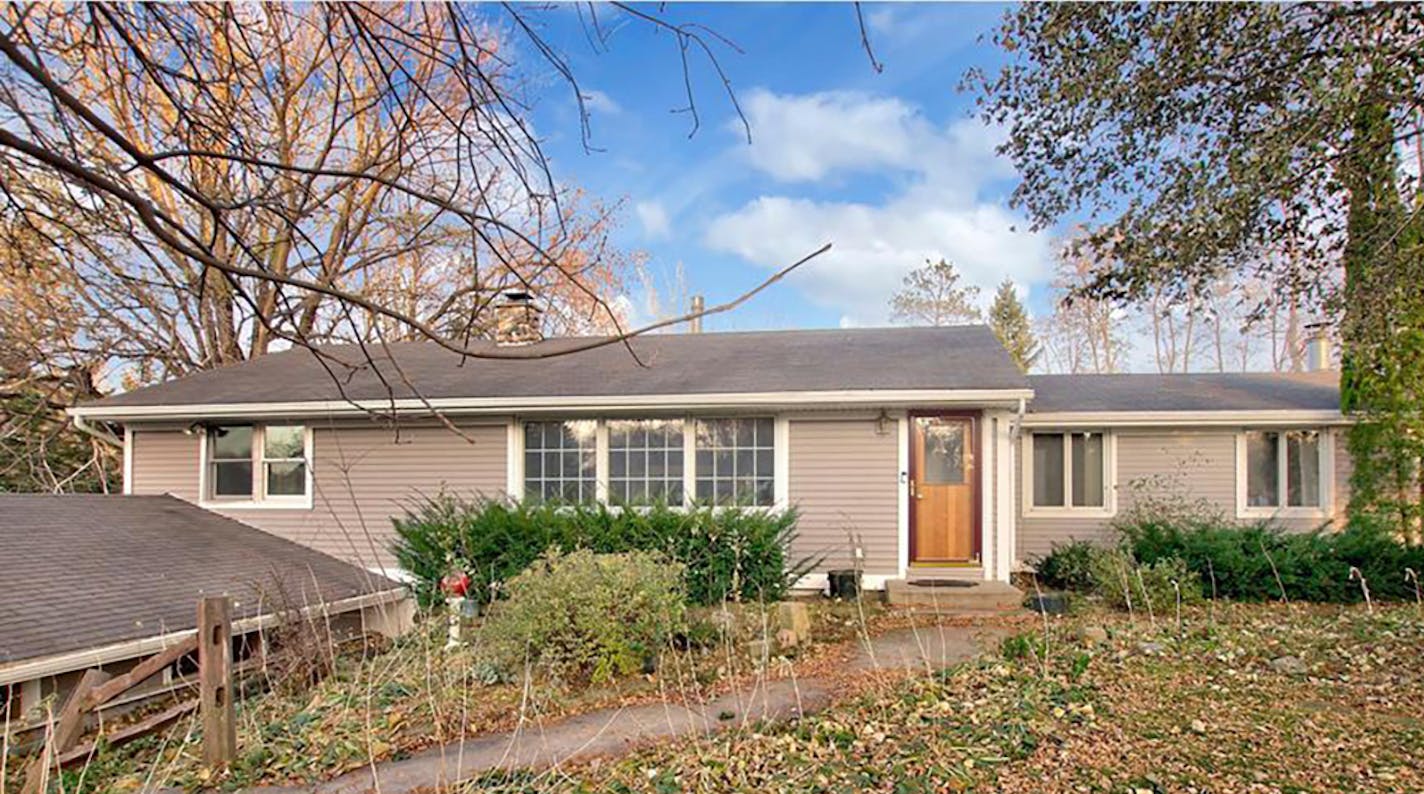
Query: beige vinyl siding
[[1198, 465], [844, 477], [362, 476], [165, 461]]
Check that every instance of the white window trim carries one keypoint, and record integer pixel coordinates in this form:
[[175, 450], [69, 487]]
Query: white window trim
[[1326, 454], [781, 452], [1109, 506], [259, 500]]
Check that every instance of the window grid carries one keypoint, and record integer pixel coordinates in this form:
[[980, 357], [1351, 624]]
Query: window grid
[[560, 461], [735, 461], [645, 461]]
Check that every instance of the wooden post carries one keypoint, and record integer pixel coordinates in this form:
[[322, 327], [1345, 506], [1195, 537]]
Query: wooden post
[[67, 729], [215, 680]]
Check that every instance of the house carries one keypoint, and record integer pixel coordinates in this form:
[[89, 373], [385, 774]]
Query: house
[[107, 581], [915, 453]]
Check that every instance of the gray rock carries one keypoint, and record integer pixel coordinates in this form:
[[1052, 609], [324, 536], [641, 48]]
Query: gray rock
[[1093, 635], [1288, 665]]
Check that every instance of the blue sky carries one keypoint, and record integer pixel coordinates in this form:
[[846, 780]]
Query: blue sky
[[892, 168]]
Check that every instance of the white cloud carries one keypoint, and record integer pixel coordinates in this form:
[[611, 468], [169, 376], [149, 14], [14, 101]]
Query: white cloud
[[875, 246], [805, 137], [596, 101], [939, 212], [654, 219]]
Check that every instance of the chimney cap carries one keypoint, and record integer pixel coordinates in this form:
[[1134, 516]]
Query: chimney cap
[[518, 296]]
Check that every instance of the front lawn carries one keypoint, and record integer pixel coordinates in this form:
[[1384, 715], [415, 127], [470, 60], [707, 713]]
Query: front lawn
[[1247, 698]]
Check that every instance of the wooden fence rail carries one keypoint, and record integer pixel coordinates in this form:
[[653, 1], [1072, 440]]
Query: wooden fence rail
[[213, 642]]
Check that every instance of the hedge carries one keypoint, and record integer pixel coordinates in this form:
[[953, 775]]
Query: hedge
[[728, 553]]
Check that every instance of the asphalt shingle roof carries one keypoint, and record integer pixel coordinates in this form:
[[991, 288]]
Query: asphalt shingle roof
[[83, 571], [959, 357], [1186, 392]]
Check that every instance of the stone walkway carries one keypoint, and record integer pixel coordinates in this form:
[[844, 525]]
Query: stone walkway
[[611, 732]]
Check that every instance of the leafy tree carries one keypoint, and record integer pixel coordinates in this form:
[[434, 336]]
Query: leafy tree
[[1207, 138], [1010, 321], [932, 295], [1196, 137], [1383, 330]]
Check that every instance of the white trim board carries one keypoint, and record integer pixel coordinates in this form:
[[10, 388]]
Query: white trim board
[[822, 582], [476, 405], [129, 649], [1071, 419]]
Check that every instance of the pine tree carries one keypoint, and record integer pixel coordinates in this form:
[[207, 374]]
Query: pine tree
[[1010, 321]]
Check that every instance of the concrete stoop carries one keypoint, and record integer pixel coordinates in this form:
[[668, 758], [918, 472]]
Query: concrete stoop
[[958, 597]]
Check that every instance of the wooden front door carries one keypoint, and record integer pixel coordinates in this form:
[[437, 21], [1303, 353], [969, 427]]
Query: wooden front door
[[944, 483]]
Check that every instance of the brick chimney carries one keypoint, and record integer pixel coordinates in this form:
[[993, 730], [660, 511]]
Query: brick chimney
[[517, 321]]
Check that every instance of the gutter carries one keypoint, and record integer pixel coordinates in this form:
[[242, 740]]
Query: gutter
[[82, 425], [1256, 418], [534, 404], [93, 657]]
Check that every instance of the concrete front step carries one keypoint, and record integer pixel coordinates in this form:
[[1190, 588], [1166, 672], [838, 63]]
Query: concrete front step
[[978, 596]]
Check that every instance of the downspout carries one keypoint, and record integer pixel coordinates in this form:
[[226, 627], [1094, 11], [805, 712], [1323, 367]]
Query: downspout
[[100, 433]]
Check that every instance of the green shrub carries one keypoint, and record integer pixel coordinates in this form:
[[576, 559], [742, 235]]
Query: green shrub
[[581, 616], [1123, 582], [1068, 566], [726, 552], [1244, 562]]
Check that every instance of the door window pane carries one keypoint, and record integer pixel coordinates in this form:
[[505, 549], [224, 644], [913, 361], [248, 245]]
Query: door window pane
[[736, 461], [564, 452], [1048, 469], [946, 446], [1262, 469], [1087, 469], [645, 461], [1303, 469]]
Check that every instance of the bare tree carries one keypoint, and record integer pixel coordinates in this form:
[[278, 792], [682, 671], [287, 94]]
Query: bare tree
[[1084, 333], [215, 181], [932, 295], [251, 165]]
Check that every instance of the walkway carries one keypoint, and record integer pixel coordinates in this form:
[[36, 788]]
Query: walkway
[[612, 732]]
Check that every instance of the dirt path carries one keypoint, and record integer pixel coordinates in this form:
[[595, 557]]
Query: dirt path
[[612, 732]]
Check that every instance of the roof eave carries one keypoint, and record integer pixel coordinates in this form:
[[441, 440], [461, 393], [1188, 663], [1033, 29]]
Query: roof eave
[[1215, 418], [83, 658], [536, 404]]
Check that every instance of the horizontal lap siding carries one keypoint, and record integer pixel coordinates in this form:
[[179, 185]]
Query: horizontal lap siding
[[165, 461], [1196, 465], [362, 476], [844, 478]]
